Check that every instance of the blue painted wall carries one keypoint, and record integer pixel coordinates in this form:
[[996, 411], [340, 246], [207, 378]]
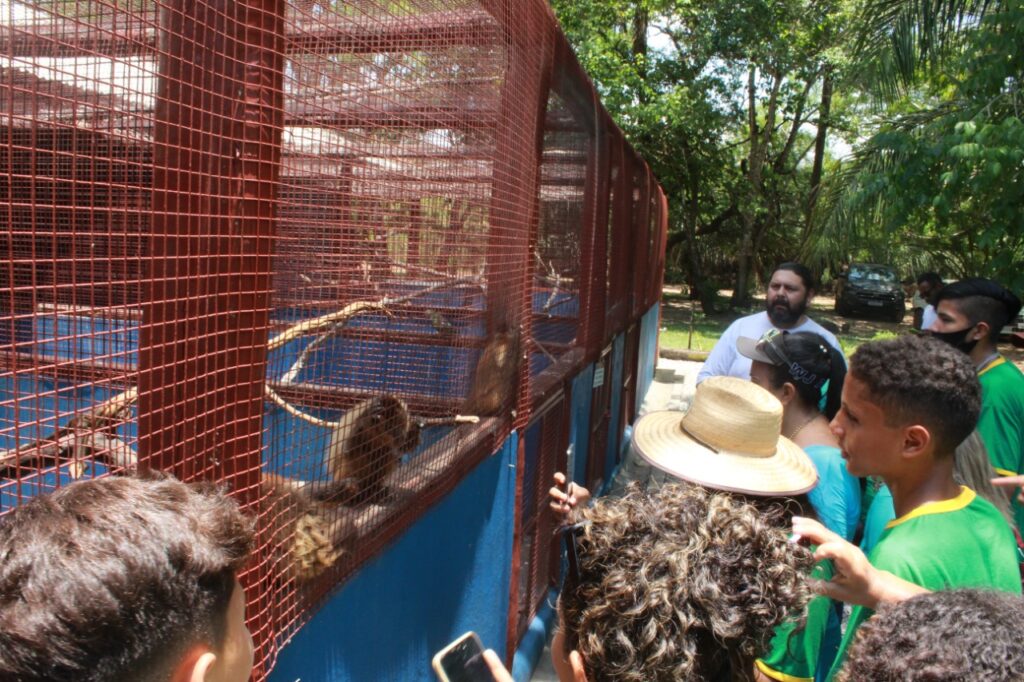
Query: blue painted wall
[[450, 571], [648, 355], [612, 452], [579, 421], [447, 574]]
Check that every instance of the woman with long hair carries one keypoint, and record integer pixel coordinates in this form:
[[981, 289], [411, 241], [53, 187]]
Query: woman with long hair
[[806, 374]]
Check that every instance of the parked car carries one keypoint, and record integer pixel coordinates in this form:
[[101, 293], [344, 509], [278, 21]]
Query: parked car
[[873, 289]]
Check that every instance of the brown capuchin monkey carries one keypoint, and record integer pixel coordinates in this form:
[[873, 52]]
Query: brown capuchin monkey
[[365, 448], [494, 380]]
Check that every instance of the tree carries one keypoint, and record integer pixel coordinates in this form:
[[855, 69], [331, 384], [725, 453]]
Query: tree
[[730, 104], [942, 174]]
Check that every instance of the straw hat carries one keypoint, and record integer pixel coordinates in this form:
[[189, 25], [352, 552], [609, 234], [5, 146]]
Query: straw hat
[[728, 440]]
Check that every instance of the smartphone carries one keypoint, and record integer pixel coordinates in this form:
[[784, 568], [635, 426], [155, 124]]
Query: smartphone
[[462, 661]]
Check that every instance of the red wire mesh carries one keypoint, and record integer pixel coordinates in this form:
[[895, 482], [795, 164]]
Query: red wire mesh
[[594, 305], [620, 237], [546, 439], [283, 244], [641, 238]]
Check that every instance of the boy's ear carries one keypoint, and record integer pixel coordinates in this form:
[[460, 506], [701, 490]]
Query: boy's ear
[[195, 666], [982, 331], [579, 674], [917, 440]]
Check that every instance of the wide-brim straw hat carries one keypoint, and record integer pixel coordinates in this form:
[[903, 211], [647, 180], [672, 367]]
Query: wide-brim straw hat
[[729, 439]]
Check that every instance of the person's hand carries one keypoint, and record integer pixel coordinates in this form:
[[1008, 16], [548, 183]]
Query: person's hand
[[1011, 482], [563, 500], [497, 669], [855, 580]]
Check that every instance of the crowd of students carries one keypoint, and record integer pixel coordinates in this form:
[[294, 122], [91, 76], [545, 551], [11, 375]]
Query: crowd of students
[[735, 566], [904, 444]]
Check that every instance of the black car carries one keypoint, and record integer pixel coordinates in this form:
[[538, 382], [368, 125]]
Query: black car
[[871, 288]]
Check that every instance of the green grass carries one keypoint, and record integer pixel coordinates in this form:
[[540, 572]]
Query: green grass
[[849, 342], [705, 336], [675, 332]]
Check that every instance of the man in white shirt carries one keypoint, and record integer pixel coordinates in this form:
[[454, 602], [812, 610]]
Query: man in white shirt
[[789, 292], [929, 286]]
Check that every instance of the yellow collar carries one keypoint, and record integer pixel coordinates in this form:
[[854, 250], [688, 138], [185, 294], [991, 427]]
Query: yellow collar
[[965, 497], [995, 363]]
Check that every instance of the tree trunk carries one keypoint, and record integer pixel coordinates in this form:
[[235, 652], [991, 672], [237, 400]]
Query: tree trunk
[[740, 295], [641, 21], [759, 143], [699, 288], [820, 140]]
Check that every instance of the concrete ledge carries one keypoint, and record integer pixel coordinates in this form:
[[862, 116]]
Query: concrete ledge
[[680, 354]]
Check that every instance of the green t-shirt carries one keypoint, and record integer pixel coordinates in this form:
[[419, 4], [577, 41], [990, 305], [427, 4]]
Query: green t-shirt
[[879, 516], [962, 542], [805, 654], [1001, 424]]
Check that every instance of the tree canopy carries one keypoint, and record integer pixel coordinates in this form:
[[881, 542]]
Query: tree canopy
[[827, 130]]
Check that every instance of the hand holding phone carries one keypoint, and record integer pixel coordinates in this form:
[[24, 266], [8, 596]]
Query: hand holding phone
[[463, 661]]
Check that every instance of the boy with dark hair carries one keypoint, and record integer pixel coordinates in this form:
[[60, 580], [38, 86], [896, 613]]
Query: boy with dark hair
[[971, 314], [950, 635], [907, 404], [125, 580]]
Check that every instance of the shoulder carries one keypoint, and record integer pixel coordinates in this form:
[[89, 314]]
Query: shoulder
[[1005, 378], [813, 326], [750, 325], [984, 517], [758, 323], [825, 457]]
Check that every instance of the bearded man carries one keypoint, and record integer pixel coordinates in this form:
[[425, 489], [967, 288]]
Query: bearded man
[[789, 292]]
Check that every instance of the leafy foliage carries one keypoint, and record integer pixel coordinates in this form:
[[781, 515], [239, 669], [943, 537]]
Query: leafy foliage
[[742, 108], [944, 174]]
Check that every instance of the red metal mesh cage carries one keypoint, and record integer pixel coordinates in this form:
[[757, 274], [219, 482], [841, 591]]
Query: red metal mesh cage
[[597, 286], [630, 370], [640, 235], [544, 453], [564, 232], [283, 245], [620, 239], [659, 228], [384, 299], [75, 179]]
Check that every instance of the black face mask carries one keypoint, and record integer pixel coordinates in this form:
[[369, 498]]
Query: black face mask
[[957, 339]]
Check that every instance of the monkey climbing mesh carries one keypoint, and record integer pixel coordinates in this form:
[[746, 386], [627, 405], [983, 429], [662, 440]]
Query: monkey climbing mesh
[[327, 253]]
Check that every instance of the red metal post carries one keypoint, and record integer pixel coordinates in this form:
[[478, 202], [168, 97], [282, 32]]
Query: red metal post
[[203, 340]]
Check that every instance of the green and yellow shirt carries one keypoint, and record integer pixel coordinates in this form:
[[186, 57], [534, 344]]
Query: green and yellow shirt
[[805, 654], [1001, 424], [961, 542]]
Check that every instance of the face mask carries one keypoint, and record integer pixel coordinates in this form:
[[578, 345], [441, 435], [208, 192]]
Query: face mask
[[957, 339]]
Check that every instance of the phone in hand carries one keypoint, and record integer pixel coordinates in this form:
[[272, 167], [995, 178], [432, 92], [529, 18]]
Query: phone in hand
[[462, 661]]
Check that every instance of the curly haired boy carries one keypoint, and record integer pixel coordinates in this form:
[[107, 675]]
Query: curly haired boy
[[951, 636], [679, 584]]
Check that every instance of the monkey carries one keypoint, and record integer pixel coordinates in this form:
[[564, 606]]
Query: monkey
[[365, 448], [305, 529], [495, 377]]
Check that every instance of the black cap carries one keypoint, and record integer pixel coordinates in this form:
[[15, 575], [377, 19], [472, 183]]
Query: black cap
[[979, 286]]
